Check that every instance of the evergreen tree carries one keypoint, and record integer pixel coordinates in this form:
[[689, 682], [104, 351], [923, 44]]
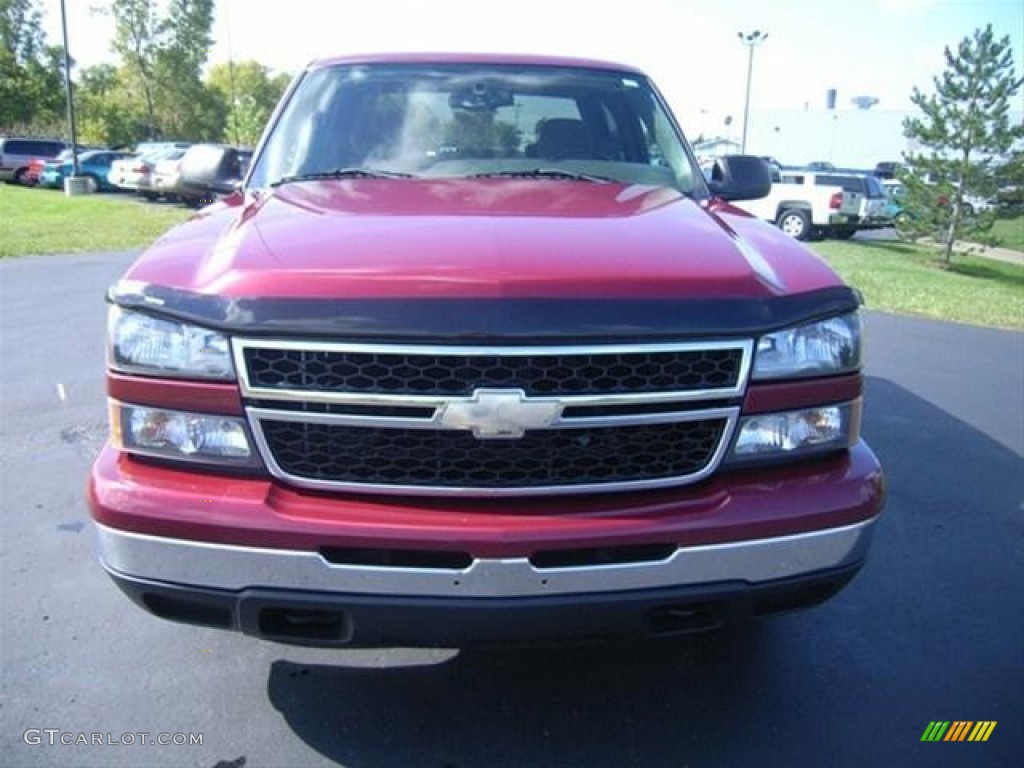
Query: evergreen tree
[[965, 134]]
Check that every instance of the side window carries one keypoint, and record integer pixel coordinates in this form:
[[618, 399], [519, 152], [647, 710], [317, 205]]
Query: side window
[[791, 178], [18, 148]]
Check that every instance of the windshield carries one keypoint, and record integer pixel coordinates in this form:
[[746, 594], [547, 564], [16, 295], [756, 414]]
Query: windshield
[[467, 120]]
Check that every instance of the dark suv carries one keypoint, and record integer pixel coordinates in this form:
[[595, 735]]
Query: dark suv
[[207, 171]]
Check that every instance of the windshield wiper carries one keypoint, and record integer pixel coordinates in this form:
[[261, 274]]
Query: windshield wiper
[[342, 173], [542, 173]]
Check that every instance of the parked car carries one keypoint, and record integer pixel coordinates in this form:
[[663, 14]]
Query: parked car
[[427, 380], [165, 177], [147, 183], [894, 192], [209, 170], [887, 169], [1010, 195], [803, 207], [94, 165], [149, 147], [126, 174], [873, 200], [134, 172], [16, 153], [35, 168]]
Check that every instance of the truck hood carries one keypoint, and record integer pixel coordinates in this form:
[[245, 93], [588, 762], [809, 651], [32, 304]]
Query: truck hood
[[476, 241]]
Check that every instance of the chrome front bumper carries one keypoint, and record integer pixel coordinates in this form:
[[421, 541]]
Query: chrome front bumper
[[234, 568]]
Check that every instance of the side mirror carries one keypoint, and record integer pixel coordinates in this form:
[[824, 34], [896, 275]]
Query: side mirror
[[740, 177]]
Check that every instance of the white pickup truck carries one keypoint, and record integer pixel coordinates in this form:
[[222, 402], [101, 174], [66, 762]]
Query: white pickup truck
[[806, 210]]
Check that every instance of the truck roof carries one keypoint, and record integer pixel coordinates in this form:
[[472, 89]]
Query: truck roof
[[471, 58]]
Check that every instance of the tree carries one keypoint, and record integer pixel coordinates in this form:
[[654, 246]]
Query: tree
[[136, 40], [106, 108], [249, 94], [31, 94], [21, 33], [162, 57], [187, 108], [966, 135]]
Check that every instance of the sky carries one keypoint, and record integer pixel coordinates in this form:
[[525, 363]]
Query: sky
[[878, 48]]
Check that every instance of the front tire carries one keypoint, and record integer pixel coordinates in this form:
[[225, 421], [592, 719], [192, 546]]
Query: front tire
[[795, 223], [903, 223]]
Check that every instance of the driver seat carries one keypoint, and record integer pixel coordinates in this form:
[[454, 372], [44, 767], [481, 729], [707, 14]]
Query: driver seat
[[559, 138]]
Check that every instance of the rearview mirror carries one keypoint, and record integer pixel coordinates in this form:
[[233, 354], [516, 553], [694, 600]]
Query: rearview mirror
[[481, 97], [740, 177]]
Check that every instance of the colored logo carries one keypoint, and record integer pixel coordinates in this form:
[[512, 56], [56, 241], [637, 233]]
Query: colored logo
[[959, 730]]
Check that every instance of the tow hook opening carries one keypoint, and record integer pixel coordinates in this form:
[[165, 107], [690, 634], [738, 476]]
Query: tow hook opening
[[678, 619], [304, 624]]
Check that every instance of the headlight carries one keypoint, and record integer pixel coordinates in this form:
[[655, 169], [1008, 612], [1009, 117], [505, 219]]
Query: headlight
[[819, 349], [201, 437], [797, 433], [147, 344]]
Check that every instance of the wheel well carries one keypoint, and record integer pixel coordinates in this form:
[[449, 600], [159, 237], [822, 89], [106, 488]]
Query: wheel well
[[796, 205]]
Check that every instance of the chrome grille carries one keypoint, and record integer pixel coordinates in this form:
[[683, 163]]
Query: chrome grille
[[491, 420], [456, 374], [456, 459]]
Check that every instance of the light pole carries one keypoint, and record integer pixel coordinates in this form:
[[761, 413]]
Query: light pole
[[70, 98], [749, 39], [231, 78]]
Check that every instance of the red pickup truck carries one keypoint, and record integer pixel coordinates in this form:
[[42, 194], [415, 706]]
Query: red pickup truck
[[476, 354]]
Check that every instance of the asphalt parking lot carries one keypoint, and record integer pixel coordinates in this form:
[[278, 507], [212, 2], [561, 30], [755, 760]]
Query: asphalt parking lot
[[932, 629]]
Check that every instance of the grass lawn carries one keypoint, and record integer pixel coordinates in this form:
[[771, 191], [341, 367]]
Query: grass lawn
[[907, 279], [1010, 232], [45, 221]]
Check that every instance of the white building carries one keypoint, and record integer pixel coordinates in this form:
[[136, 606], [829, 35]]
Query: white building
[[846, 138]]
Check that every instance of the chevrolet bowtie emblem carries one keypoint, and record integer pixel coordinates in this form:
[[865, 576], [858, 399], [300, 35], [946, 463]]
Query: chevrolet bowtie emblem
[[499, 414]]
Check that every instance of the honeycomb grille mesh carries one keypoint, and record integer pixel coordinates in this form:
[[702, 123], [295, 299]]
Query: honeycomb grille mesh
[[460, 375], [440, 458]]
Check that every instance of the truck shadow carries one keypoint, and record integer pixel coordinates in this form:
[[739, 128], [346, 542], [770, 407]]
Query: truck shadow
[[796, 689], [591, 705]]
